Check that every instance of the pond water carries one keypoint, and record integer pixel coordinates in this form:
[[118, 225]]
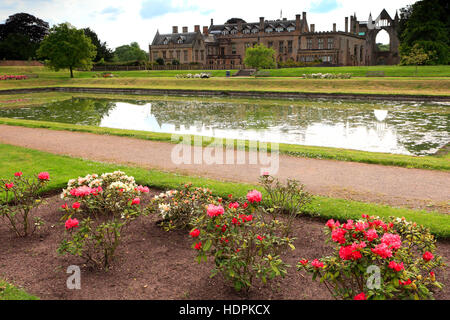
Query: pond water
[[403, 128]]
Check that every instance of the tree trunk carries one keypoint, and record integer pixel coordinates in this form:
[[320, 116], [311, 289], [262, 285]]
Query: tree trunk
[[71, 72]]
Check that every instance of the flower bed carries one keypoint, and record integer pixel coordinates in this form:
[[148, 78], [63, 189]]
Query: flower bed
[[13, 77], [245, 240]]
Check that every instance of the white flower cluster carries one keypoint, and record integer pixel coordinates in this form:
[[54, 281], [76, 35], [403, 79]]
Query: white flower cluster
[[202, 75], [166, 194], [164, 209], [327, 76], [114, 180]]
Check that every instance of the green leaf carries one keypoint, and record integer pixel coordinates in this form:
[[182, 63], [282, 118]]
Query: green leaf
[[207, 245]]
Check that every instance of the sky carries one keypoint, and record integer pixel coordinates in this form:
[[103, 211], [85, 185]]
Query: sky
[[121, 22]]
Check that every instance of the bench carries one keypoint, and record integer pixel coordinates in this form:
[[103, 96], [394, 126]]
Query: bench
[[375, 74]]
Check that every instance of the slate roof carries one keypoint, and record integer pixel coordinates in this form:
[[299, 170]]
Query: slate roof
[[188, 38], [214, 29]]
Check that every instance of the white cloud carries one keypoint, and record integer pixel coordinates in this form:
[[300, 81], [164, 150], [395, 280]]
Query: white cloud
[[126, 24]]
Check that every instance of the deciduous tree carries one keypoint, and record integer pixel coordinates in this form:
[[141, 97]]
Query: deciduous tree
[[260, 57], [67, 47], [21, 35]]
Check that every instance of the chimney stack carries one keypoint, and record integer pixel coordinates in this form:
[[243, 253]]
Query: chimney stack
[[304, 16], [261, 24], [346, 24], [312, 28], [297, 22], [174, 29], [212, 21], [197, 28], [334, 27], [185, 29], [205, 30]]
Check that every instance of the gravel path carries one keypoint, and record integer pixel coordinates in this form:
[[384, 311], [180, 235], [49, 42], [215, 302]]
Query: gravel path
[[413, 188]]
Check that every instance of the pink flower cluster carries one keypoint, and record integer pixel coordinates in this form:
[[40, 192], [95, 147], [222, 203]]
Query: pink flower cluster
[[143, 189], [44, 176], [13, 77], [254, 196], [85, 191], [214, 211]]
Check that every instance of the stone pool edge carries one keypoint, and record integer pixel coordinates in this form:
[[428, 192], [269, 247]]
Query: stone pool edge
[[233, 93]]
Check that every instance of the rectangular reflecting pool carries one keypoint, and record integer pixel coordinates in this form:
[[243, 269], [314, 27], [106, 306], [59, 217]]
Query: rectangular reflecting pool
[[403, 128]]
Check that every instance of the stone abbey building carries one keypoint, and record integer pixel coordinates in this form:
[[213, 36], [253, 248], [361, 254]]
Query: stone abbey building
[[223, 45]]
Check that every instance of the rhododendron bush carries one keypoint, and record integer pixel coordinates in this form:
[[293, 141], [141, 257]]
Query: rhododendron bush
[[401, 251], [177, 208], [103, 206], [21, 198], [244, 242], [288, 199]]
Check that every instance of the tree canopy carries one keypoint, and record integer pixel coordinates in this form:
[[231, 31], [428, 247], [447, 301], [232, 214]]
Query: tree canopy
[[103, 52], [131, 52], [21, 35], [426, 23], [260, 57], [67, 47]]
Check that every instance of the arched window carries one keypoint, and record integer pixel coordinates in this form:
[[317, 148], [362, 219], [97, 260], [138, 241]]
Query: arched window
[[383, 41]]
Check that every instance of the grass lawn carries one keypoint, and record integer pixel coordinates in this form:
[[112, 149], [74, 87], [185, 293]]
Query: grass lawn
[[9, 292], [389, 71], [62, 168], [432, 81]]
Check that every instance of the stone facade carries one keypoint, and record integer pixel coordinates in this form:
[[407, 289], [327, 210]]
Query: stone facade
[[295, 40]]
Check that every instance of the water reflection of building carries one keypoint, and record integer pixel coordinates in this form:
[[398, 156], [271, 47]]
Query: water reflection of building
[[309, 124]]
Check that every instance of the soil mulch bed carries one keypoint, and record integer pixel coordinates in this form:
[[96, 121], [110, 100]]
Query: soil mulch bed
[[155, 264]]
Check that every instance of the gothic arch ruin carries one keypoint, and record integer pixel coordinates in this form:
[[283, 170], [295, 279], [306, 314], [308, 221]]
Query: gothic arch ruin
[[383, 22]]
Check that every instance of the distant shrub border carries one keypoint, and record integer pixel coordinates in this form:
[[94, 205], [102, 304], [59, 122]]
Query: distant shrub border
[[327, 76]]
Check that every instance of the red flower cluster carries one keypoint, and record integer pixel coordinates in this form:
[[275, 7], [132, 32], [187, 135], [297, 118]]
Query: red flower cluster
[[317, 264], [9, 185], [360, 296], [71, 223], [427, 256], [13, 77], [195, 233], [351, 252], [233, 205], [396, 266]]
